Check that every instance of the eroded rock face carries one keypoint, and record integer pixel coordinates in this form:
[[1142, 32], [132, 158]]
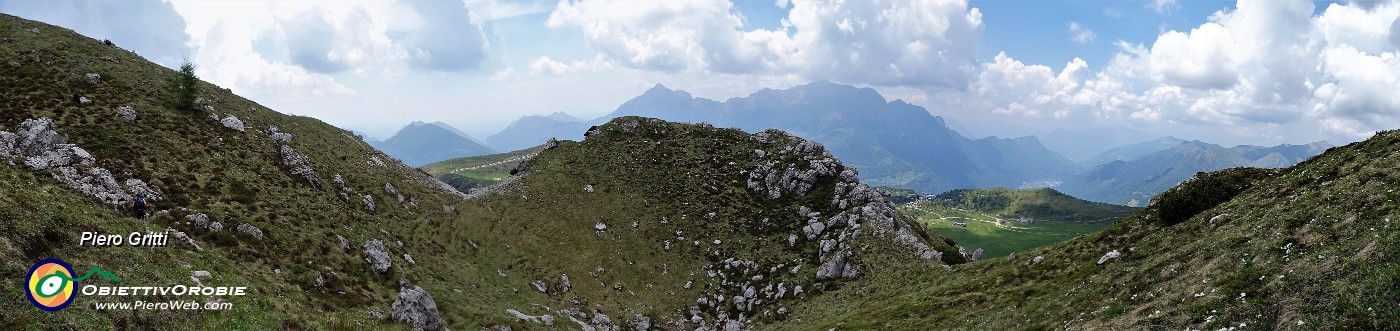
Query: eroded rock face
[[776, 177], [36, 136], [546, 319], [389, 189], [183, 238], [416, 308], [278, 136], [201, 221], [300, 165], [139, 189], [203, 104], [7, 143], [1109, 256], [232, 122], [96, 182], [250, 230], [345, 191], [836, 266], [738, 289], [377, 257], [127, 113], [640, 322], [42, 147], [367, 201], [59, 155], [861, 209]]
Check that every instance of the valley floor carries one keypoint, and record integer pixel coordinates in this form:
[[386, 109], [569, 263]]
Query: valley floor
[[997, 237]]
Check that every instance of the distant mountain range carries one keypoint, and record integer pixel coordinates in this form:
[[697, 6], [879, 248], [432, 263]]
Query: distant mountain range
[[422, 143], [1083, 144], [1135, 181], [1130, 152], [896, 144], [893, 143], [533, 130]]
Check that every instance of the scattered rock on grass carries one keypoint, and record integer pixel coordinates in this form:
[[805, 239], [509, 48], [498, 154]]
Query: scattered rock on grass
[[232, 122], [1109, 256], [416, 308], [377, 257], [250, 230], [127, 113]]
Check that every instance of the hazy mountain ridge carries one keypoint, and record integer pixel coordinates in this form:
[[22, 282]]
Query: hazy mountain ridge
[[420, 143], [1130, 152], [454, 129], [1134, 182], [533, 130], [1081, 145]]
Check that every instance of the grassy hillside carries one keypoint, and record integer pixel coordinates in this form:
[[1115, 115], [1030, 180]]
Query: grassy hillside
[[1311, 247], [1001, 221], [203, 167], [996, 236], [1032, 205]]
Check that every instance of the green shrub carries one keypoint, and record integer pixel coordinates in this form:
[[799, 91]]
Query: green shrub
[[183, 87], [1204, 191]]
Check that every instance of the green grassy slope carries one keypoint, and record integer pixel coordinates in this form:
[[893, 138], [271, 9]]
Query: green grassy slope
[[996, 236], [201, 167], [662, 234], [467, 173], [1035, 204], [1311, 247], [1002, 221], [697, 219]]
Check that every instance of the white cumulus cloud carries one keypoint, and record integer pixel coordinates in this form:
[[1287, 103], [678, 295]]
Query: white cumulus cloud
[[1266, 69], [1081, 34], [1162, 6], [880, 42]]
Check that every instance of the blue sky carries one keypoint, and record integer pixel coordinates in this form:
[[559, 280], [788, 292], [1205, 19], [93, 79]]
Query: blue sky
[[1231, 72]]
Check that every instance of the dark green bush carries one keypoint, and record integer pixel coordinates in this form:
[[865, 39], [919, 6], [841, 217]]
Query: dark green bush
[[463, 184], [1204, 191], [183, 87]]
